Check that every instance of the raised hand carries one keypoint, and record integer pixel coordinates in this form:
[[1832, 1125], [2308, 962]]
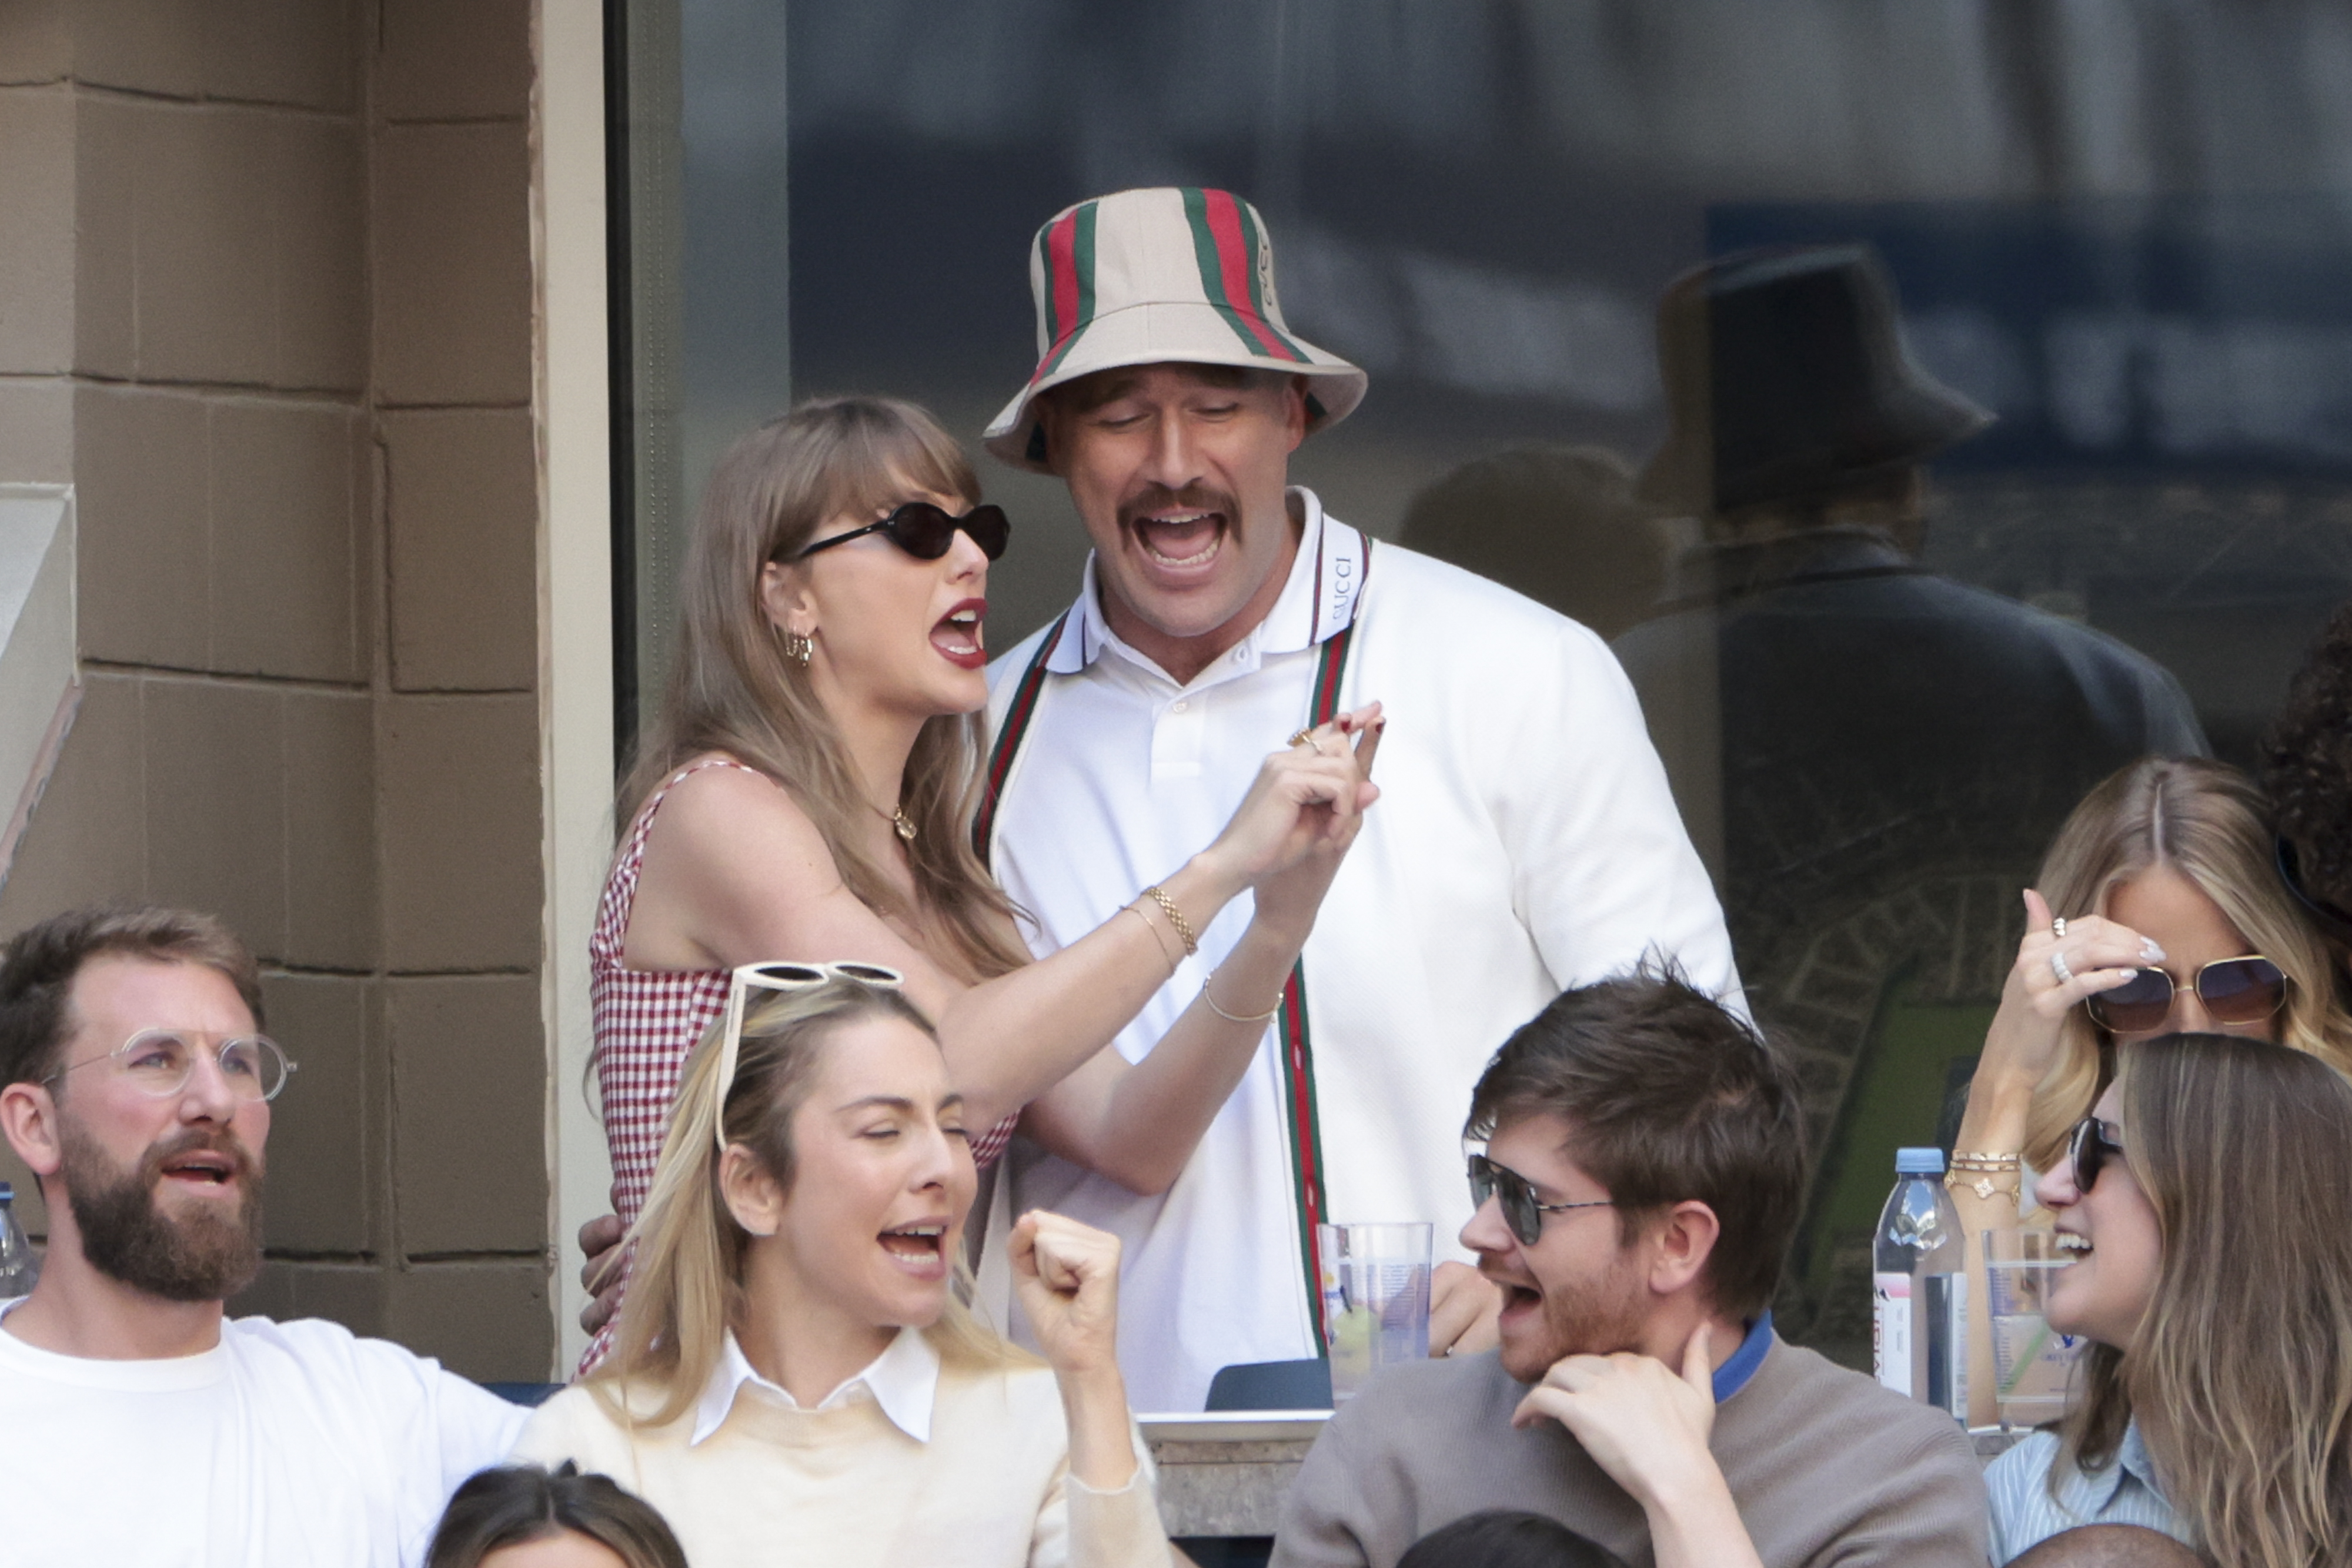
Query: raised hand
[[1067, 1277], [1463, 1307], [2094, 955], [1299, 872], [1307, 797]]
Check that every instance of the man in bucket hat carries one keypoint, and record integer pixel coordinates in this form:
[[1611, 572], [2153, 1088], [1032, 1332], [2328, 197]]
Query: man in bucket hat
[[1525, 840]]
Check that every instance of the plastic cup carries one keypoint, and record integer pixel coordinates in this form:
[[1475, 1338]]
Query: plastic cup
[[2032, 1363], [1375, 1300]]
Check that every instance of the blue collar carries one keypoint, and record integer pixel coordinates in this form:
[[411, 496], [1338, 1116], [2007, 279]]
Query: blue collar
[[1733, 1374]]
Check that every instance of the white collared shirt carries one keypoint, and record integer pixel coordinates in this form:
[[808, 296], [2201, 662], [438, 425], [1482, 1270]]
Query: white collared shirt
[[1524, 841], [904, 1379]]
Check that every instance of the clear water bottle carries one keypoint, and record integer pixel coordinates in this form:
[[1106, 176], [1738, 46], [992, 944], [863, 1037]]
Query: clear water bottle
[[18, 1265], [1919, 1282]]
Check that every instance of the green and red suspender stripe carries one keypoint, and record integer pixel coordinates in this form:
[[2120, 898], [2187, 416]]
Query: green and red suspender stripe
[[1290, 1019]]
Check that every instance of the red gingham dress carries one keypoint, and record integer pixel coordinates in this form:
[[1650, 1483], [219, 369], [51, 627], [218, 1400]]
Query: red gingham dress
[[648, 1021]]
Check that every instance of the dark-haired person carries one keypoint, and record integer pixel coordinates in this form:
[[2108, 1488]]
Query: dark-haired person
[[2109, 1546], [1505, 1538], [2206, 1203], [1643, 1173], [2308, 773], [138, 1426], [520, 1516]]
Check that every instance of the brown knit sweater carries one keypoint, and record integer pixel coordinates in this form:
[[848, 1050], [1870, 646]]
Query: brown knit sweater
[[1829, 1469]]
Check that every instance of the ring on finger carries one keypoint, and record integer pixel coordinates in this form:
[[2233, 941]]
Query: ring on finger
[[2058, 928], [1304, 737], [2058, 968]]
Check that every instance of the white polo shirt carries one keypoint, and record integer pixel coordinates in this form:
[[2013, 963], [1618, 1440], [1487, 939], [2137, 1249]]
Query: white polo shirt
[[1525, 842]]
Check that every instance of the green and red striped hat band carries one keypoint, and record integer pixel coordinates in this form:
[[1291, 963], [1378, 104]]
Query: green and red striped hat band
[[1160, 276]]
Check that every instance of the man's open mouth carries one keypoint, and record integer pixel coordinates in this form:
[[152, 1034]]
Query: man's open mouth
[[200, 1167], [1181, 539]]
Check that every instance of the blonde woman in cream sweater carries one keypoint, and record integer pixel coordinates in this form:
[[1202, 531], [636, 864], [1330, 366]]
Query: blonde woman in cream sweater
[[794, 1379]]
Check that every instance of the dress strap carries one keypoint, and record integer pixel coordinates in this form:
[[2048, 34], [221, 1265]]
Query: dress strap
[[621, 888]]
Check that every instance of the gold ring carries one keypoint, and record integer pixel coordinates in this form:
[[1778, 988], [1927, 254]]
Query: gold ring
[[1304, 737]]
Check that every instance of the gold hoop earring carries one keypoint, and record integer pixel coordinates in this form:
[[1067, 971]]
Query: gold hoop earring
[[799, 649]]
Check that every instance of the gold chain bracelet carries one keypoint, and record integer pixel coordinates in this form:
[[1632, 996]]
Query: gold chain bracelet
[[1158, 896]]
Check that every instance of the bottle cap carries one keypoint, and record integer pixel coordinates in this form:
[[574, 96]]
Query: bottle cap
[[7, 1192], [1918, 1162]]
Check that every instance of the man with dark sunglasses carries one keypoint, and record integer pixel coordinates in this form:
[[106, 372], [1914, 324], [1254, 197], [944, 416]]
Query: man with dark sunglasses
[[1526, 839], [1641, 1178]]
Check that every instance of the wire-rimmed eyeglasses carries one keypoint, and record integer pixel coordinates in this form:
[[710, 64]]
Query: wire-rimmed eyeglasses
[[158, 1062], [778, 976]]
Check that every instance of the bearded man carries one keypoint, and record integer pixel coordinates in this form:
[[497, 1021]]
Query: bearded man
[[137, 1425]]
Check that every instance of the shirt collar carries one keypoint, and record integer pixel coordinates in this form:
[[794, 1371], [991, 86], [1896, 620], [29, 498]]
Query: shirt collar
[[904, 1379], [2086, 1494], [1320, 598], [1733, 1374]]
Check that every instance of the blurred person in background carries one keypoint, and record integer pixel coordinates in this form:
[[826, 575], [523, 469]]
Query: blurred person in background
[[2110, 1546], [1505, 1538], [1866, 751], [520, 1516], [2206, 1201], [794, 1373], [1560, 524], [2159, 908], [2308, 773], [139, 1423], [807, 790], [1525, 840]]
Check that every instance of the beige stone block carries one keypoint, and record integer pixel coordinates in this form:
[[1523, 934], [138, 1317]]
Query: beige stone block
[[330, 877], [86, 841], [36, 44], [470, 1113], [452, 264], [139, 463], [147, 45], [36, 238], [36, 430], [350, 1292], [205, 285], [108, 146], [216, 804], [284, 513], [460, 825], [323, 1130], [303, 52], [455, 59], [463, 500], [318, 189], [488, 1320]]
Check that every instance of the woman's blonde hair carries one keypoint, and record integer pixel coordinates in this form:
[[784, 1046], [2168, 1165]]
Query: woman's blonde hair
[[2244, 1150], [2207, 821], [686, 1282], [732, 690]]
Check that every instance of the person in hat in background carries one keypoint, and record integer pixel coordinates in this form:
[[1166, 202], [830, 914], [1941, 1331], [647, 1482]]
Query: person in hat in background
[[1870, 756], [1526, 841]]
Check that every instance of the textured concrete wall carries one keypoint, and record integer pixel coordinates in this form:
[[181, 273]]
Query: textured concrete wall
[[265, 300]]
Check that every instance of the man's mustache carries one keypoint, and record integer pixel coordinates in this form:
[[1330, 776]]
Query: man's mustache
[[217, 1141]]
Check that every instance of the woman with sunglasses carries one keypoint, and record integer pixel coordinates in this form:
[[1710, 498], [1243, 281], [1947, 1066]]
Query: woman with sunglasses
[[808, 787], [2159, 909], [794, 1379], [2207, 1206]]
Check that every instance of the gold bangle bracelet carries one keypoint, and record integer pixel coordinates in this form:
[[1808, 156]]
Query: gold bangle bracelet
[[1229, 1018], [1158, 896], [1967, 1161], [1157, 940]]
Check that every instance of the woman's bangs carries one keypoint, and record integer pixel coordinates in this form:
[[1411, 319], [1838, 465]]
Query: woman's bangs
[[877, 464]]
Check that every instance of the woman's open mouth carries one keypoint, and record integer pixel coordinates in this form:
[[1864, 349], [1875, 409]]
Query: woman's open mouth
[[958, 635], [920, 1248]]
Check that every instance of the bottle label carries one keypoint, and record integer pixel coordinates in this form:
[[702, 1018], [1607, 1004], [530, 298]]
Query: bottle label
[[1890, 1330]]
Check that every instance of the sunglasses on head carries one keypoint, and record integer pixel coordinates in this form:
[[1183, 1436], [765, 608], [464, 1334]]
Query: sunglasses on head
[[1521, 1212], [2235, 990], [778, 976], [2087, 1150], [925, 531]]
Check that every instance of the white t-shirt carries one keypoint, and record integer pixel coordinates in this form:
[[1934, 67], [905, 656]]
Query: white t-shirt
[[297, 1444]]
